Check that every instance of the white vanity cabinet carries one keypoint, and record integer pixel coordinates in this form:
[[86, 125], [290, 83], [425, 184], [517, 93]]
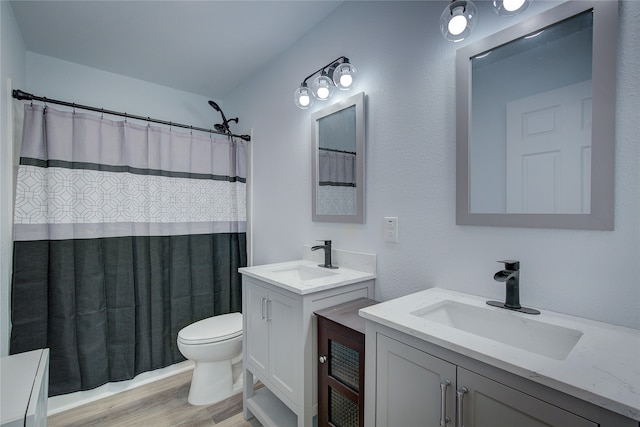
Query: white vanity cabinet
[[271, 325], [416, 388], [280, 338]]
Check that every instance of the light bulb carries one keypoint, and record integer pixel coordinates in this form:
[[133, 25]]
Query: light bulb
[[323, 92], [322, 87], [346, 80], [457, 20], [457, 24], [510, 7], [344, 75], [302, 97], [513, 5]]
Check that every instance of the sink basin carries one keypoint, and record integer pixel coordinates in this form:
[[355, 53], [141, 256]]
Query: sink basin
[[503, 326], [303, 273]]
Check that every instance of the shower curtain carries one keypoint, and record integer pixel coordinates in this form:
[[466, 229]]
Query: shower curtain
[[336, 182], [124, 233]]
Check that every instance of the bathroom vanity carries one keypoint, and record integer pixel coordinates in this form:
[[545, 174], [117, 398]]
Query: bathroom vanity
[[280, 340], [451, 359]]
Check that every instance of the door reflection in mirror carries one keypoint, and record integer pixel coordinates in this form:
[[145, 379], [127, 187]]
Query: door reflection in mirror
[[530, 135]]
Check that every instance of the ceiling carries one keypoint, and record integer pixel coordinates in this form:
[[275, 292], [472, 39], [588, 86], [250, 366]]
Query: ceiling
[[203, 47]]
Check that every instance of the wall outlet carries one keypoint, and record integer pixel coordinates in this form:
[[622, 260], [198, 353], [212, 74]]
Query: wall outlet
[[391, 229]]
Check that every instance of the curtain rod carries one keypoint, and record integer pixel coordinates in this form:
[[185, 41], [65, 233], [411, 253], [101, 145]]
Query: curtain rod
[[21, 95], [336, 151]]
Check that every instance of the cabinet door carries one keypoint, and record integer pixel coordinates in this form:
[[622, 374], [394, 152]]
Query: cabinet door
[[257, 334], [285, 349], [408, 386], [340, 376], [491, 404]]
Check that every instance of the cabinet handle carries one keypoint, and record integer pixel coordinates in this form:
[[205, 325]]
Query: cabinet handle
[[444, 420], [322, 359], [459, 398], [263, 303]]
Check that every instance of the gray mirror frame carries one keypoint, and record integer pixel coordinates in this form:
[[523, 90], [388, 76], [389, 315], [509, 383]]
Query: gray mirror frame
[[605, 33], [356, 100]]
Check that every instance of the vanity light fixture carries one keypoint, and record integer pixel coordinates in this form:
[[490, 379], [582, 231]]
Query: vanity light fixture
[[510, 7], [339, 73], [457, 20], [459, 17]]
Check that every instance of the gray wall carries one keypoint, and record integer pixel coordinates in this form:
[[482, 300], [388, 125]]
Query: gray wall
[[407, 71]]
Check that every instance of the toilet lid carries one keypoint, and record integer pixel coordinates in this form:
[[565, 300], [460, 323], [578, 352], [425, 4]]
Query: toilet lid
[[212, 329]]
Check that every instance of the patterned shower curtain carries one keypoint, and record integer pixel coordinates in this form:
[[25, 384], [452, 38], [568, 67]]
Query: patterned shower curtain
[[336, 182], [124, 233]]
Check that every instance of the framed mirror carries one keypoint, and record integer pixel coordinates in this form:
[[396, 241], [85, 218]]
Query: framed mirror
[[535, 131], [337, 161]]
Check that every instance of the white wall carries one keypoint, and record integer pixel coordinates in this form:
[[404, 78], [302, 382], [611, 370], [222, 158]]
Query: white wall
[[407, 71], [12, 72], [63, 80]]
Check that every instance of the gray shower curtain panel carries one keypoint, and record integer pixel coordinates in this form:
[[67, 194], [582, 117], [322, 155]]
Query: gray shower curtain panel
[[123, 234]]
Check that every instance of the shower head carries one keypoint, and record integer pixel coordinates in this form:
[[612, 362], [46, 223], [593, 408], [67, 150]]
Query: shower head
[[215, 106], [224, 126]]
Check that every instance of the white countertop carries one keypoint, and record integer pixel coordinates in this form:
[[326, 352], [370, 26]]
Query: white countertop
[[603, 368], [269, 273]]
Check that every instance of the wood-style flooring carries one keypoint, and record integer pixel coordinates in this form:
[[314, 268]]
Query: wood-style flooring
[[162, 403]]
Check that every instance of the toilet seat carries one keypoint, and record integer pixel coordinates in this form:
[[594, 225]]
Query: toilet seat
[[212, 329]]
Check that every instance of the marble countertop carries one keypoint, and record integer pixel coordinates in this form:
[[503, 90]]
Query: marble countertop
[[271, 273], [603, 368]]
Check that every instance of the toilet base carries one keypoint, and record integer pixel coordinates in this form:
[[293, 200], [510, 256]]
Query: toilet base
[[212, 382]]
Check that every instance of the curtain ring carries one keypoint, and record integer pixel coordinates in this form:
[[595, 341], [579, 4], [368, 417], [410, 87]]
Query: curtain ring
[[101, 113]]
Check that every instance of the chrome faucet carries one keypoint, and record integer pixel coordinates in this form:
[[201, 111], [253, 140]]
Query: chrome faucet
[[327, 253], [511, 277]]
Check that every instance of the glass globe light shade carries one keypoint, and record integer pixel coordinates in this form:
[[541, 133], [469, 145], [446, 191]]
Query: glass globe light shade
[[457, 20], [510, 7], [343, 76], [322, 87], [302, 97]]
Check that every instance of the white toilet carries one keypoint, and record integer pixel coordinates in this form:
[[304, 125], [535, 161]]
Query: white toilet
[[215, 345]]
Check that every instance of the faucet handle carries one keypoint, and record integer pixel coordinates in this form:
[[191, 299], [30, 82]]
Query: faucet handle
[[326, 242], [510, 264]]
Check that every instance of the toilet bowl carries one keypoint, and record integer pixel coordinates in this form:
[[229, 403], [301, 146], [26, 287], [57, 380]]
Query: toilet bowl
[[215, 345]]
